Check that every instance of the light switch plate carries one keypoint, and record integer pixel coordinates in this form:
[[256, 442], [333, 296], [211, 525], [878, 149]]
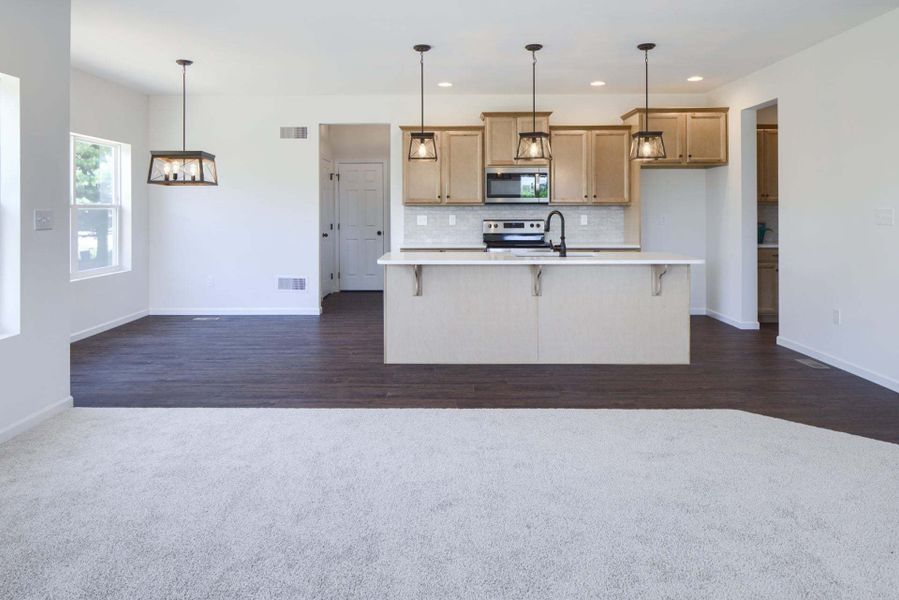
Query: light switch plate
[[583, 219], [43, 220], [886, 217], [452, 219], [422, 219]]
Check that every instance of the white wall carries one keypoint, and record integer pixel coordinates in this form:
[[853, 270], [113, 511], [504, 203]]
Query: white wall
[[674, 220], [837, 169], [262, 220], [106, 110], [34, 365]]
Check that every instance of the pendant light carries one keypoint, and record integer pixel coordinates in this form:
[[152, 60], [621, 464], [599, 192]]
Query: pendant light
[[533, 145], [182, 167], [647, 145], [422, 144]]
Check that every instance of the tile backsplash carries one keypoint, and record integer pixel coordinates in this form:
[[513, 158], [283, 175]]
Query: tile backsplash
[[605, 224], [767, 214]]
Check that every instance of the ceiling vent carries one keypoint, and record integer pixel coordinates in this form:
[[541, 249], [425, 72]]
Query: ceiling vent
[[294, 133], [291, 284]]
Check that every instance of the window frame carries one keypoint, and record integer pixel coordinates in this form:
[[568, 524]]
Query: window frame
[[116, 207]]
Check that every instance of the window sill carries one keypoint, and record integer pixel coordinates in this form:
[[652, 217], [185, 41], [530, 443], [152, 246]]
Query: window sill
[[104, 273]]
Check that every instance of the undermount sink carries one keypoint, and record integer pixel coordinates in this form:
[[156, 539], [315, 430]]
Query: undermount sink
[[539, 253]]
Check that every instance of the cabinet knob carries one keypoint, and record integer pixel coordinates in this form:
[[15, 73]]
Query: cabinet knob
[[447, 196], [379, 233], [594, 195], [585, 195], [689, 156]]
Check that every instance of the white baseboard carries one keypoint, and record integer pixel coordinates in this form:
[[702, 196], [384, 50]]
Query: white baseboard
[[698, 311], [887, 382], [86, 333], [30, 421], [187, 312], [732, 322]]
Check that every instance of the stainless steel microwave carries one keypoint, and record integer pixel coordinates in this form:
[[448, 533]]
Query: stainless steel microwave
[[517, 185]]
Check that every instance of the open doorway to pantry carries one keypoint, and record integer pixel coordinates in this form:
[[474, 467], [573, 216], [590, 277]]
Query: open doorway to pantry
[[768, 202], [354, 206]]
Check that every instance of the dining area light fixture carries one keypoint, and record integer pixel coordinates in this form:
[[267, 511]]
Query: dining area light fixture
[[182, 167], [645, 144], [422, 144], [533, 145]]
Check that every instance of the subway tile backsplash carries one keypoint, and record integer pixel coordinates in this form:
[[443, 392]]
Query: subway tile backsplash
[[605, 224]]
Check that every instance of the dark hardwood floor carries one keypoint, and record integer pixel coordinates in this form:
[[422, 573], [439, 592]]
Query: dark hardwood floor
[[336, 361]]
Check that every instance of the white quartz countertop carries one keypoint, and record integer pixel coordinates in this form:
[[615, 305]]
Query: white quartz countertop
[[504, 258], [425, 246]]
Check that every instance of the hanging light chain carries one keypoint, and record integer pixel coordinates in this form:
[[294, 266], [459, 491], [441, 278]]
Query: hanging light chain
[[422, 81], [534, 90], [183, 106]]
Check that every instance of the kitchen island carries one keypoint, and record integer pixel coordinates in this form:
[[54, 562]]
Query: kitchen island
[[495, 308]]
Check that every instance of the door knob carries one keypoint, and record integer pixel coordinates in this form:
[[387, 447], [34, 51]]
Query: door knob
[[379, 233], [324, 235]]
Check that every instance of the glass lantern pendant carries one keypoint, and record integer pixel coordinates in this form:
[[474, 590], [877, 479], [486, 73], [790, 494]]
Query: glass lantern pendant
[[182, 167], [647, 145], [533, 145], [422, 144]]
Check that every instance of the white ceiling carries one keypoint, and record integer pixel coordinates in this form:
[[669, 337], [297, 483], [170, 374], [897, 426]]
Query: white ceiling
[[298, 47]]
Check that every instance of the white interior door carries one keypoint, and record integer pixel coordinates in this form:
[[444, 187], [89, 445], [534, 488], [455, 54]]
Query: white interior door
[[361, 230], [328, 228]]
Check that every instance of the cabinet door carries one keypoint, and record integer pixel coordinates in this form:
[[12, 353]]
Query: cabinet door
[[421, 178], [569, 180], [761, 182], [770, 165], [707, 138], [768, 289], [501, 140], [526, 124], [463, 176], [610, 164], [674, 129]]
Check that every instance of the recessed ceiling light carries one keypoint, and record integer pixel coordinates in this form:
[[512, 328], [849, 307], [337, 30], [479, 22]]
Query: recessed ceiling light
[[695, 78], [597, 83], [445, 84]]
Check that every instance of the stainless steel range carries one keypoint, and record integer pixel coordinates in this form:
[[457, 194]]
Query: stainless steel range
[[505, 235]]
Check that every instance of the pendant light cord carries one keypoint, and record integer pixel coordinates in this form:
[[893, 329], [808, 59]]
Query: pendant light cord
[[534, 90], [422, 79], [646, 81], [183, 107]]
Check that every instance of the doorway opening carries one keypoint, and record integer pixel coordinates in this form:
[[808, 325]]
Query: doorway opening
[[768, 221], [354, 206]]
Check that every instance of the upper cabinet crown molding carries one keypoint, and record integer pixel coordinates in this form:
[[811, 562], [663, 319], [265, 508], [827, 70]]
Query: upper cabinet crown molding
[[694, 137]]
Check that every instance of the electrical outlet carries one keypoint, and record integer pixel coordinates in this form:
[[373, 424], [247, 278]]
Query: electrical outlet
[[210, 281], [583, 219], [837, 316], [452, 219], [43, 220], [885, 216], [422, 219]]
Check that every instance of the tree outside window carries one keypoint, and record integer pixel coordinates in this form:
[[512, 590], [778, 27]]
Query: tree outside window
[[96, 204]]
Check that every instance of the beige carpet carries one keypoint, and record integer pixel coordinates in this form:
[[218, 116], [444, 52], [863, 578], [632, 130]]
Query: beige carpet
[[397, 504]]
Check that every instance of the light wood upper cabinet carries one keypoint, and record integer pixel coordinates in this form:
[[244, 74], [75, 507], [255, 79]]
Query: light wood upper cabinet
[[463, 177], [674, 133], [456, 177], [590, 165], [693, 137], [569, 177], [766, 140], [501, 136], [706, 137], [610, 166], [421, 178]]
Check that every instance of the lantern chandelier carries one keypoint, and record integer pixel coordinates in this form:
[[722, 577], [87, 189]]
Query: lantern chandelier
[[182, 167]]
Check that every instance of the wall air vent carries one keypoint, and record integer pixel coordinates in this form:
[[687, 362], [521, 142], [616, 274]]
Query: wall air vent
[[294, 133], [291, 284]]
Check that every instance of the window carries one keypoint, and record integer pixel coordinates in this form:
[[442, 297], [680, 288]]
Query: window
[[98, 178], [10, 208]]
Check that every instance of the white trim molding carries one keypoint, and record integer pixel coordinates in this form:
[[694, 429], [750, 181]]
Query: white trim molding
[[700, 312], [187, 312], [732, 322], [86, 333], [883, 380], [30, 421]]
